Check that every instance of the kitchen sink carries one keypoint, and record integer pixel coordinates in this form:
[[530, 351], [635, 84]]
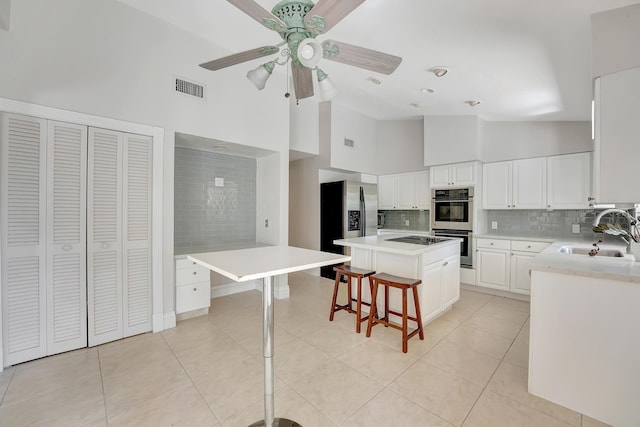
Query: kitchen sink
[[585, 251]]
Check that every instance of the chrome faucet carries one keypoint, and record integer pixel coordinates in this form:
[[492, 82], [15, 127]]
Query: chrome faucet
[[627, 235]]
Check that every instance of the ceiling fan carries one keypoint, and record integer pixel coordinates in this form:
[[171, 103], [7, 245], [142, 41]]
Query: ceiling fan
[[299, 22]]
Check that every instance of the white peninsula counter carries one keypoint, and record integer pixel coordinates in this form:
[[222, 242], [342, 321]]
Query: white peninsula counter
[[584, 348], [437, 265]]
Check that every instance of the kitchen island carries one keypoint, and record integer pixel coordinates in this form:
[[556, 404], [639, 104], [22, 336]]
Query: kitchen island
[[584, 349], [437, 265]]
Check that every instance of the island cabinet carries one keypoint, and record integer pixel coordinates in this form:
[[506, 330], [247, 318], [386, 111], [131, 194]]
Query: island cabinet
[[438, 266]]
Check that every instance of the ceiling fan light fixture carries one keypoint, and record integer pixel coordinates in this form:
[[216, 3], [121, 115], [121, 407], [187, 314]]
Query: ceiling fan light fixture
[[439, 71], [261, 74], [309, 52], [327, 89]]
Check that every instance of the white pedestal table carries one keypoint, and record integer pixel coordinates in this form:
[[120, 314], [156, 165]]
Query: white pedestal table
[[264, 263]]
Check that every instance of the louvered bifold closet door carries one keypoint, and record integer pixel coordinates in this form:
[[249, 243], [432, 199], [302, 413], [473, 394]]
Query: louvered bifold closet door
[[22, 217], [137, 234], [66, 237], [104, 235]]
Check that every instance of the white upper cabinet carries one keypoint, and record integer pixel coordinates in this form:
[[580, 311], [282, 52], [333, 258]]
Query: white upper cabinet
[[569, 181], [517, 184], [616, 148], [453, 175], [404, 191]]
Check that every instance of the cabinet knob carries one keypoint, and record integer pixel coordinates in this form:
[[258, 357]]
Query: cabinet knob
[[195, 272], [529, 246], [513, 206], [491, 243], [195, 289], [548, 206], [589, 199], [446, 263]]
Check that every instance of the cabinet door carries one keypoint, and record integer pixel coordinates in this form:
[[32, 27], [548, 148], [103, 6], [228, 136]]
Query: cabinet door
[[432, 279], [386, 191], [439, 176], [462, 174], [423, 195], [529, 181], [22, 216], [496, 179], [569, 181], [406, 191], [104, 247], [520, 278], [493, 269], [137, 192], [66, 237], [451, 280]]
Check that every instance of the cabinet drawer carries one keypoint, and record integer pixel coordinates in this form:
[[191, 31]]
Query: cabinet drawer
[[525, 246], [185, 263], [193, 274], [193, 297], [493, 243]]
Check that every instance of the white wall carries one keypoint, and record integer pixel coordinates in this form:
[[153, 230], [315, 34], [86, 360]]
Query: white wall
[[106, 59], [304, 203], [450, 139], [304, 126], [614, 40], [517, 140], [347, 123], [400, 145]]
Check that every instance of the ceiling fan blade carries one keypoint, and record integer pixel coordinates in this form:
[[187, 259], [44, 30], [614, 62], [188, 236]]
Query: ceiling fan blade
[[302, 81], [238, 58], [327, 13], [360, 57], [260, 14]]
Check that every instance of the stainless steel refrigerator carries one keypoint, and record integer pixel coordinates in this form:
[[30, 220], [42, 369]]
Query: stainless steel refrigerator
[[347, 209]]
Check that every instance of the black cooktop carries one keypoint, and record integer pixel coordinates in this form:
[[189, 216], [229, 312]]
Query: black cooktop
[[419, 240]]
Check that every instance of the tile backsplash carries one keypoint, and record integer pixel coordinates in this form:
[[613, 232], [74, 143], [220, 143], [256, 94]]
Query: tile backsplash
[[207, 212], [554, 224], [397, 220]]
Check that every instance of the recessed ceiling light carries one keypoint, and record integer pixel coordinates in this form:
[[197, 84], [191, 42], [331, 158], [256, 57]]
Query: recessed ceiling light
[[426, 90], [473, 103], [439, 71], [417, 105], [375, 80]]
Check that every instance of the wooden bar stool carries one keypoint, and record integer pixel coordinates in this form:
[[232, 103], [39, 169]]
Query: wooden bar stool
[[404, 284], [349, 273]]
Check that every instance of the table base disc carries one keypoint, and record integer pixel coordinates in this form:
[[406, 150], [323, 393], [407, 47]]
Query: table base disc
[[278, 422]]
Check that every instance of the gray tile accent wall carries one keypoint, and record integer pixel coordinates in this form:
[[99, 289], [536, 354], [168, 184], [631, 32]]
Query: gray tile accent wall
[[553, 224], [396, 220], [206, 214]]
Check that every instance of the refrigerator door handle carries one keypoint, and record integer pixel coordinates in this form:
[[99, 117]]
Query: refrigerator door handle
[[363, 214]]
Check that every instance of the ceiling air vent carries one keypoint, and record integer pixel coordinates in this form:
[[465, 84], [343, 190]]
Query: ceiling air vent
[[188, 88]]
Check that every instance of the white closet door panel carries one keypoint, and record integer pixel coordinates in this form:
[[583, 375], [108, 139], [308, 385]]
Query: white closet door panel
[[137, 237], [22, 218], [66, 237], [104, 216]]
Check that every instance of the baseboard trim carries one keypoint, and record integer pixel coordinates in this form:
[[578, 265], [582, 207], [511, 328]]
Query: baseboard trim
[[497, 292], [169, 320]]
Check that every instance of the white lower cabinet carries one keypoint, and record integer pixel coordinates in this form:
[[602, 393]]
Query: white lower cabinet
[[193, 286], [504, 264], [442, 282]]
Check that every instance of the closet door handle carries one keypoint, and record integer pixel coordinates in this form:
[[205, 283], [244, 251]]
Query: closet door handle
[[66, 248], [105, 246]]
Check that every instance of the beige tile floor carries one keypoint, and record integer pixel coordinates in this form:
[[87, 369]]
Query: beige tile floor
[[470, 370]]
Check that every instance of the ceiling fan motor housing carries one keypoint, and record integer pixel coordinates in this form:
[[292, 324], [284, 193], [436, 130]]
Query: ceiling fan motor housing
[[293, 13]]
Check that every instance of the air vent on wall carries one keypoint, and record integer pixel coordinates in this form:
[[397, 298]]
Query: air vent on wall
[[188, 88], [349, 143]]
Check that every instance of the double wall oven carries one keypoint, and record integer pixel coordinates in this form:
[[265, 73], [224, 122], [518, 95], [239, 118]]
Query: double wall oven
[[452, 216]]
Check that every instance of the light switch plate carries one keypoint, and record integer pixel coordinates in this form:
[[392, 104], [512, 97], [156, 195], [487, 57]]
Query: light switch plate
[[494, 225], [406, 222], [219, 182]]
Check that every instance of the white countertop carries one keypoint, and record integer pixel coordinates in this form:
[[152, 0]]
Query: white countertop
[[382, 243], [242, 265], [624, 269]]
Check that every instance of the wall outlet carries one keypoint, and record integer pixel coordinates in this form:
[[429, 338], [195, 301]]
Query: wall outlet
[[266, 223], [494, 225], [406, 222], [575, 228], [218, 182]]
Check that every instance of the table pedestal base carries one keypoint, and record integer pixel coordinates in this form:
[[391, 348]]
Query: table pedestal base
[[278, 422]]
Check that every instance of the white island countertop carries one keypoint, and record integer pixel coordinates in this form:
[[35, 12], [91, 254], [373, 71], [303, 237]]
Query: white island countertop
[[383, 244], [625, 268]]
